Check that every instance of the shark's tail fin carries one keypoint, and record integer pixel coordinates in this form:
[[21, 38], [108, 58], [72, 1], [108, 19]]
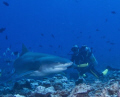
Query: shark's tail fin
[[24, 50], [14, 77]]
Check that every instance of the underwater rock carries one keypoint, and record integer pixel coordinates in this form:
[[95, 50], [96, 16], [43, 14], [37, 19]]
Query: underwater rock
[[81, 90], [25, 92], [17, 95], [59, 76], [113, 88], [22, 84], [46, 83], [64, 79], [51, 80], [7, 90], [34, 85], [63, 93], [80, 80], [58, 85], [41, 91], [8, 95], [68, 86], [45, 78]]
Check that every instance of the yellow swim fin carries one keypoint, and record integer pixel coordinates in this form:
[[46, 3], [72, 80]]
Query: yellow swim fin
[[105, 72]]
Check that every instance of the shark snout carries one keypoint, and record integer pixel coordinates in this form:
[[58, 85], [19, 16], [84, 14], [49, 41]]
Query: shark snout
[[64, 65], [68, 64]]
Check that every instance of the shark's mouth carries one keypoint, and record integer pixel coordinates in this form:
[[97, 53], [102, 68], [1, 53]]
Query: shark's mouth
[[60, 67]]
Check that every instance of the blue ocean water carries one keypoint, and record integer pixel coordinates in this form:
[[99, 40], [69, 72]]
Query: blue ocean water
[[54, 26]]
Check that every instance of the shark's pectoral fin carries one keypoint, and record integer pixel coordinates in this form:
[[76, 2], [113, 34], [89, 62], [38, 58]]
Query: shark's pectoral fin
[[25, 74], [38, 73]]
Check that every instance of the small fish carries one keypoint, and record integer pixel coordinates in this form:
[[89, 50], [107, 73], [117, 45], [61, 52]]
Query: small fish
[[112, 43], [108, 41], [106, 20], [29, 47], [97, 30], [110, 50], [91, 48], [40, 46], [6, 37], [59, 46], [50, 46], [113, 12], [52, 36], [5, 3], [89, 37], [81, 32], [42, 34], [2, 29]]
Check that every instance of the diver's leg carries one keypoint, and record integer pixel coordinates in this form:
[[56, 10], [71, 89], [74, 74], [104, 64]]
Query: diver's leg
[[94, 72], [84, 70], [81, 74]]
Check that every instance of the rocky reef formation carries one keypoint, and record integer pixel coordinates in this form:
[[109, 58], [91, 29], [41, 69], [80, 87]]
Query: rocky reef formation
[[61, 86]]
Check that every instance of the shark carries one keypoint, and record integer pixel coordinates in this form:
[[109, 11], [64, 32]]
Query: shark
[[39, 64]]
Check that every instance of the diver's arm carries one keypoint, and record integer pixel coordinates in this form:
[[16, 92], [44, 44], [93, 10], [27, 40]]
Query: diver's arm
[[73, 66]]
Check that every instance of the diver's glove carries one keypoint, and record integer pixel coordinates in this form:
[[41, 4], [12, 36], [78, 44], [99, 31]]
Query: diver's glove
[[83, 65]]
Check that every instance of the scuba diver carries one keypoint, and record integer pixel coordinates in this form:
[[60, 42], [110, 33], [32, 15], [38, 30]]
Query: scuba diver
[[84, 61]]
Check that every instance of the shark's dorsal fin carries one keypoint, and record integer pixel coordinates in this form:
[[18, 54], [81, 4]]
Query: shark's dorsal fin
[[24, 50]]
